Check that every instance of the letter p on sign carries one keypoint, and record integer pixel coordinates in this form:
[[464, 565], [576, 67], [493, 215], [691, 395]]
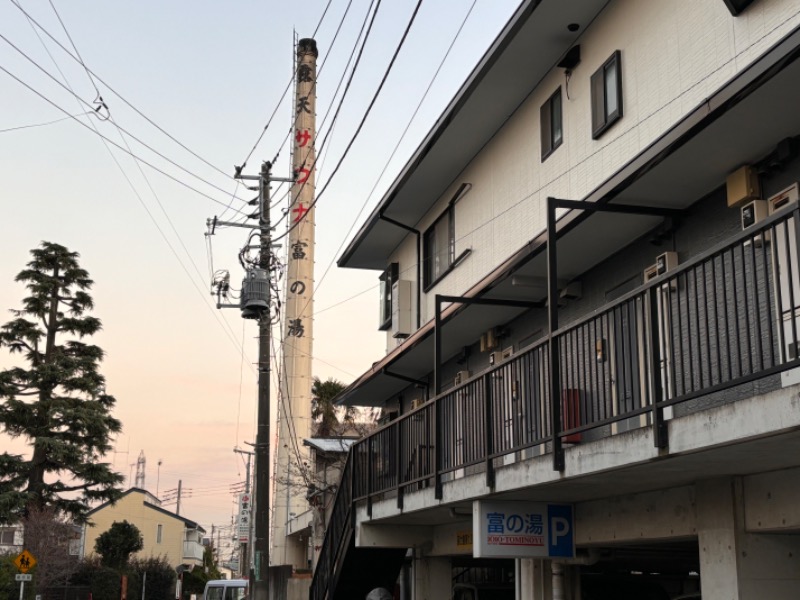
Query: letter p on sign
[[561, 538]]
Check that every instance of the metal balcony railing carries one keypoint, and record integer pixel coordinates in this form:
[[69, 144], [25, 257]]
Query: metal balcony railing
[[727, 317]]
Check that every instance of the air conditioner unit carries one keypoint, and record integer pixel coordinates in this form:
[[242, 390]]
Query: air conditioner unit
[[489, 341], [783, 198], [742, 186], [461, 377], [495, 357], [508, 352], [401, 309]]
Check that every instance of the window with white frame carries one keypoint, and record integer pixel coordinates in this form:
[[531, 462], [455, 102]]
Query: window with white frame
[[159, 532], [606, 87]]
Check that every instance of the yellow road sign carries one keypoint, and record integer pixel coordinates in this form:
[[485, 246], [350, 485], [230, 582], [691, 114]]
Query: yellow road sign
[[25, 561]]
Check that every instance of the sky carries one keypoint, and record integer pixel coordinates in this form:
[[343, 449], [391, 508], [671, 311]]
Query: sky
[[209, 74]]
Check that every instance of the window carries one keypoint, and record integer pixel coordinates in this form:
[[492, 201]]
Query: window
[[387, 278], [438, 247], [439, 243], [7, 537], [159, 530], [551, 127], [606, 84]]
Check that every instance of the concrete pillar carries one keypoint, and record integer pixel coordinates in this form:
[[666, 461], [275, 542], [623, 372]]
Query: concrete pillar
[[433, 578], [536, 579], [736, 564]]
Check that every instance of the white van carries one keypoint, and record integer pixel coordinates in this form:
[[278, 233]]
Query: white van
[[225, 589]]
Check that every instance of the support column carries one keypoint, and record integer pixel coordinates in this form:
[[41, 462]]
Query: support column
[[536, 579], [735, 564], [433, 578]]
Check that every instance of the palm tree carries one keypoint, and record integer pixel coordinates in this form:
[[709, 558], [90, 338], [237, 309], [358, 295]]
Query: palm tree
[[323, 411]]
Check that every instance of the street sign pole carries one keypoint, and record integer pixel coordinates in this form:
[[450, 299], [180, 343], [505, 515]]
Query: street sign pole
[[21, 590]]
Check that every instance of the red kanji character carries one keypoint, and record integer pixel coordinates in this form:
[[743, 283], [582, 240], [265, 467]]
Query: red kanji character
[[302, 137], [301, 212], [303, 175]]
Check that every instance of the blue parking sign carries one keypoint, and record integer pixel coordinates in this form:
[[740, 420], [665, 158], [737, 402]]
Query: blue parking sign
[[517, 529], [561, 538]]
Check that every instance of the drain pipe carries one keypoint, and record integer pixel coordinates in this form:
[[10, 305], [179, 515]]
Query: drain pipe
[[418, 233]]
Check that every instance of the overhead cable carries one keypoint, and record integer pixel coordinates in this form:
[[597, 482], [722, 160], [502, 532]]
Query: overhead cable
[[112, 90]]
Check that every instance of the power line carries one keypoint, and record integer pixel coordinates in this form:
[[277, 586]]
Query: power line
[[142, 142], [322, 66], [341, 101], [135, 191], [45, 123], [389, 160], [164, 173], [283, 95], [363, 120], [112, 90]]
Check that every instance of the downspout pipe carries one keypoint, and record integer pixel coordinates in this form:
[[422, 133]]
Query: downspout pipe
[[418, 233]]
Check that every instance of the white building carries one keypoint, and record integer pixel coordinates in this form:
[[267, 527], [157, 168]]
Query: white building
[[664, 406]]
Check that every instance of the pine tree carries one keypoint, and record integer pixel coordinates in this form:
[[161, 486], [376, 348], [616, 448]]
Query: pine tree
[[57, 403]]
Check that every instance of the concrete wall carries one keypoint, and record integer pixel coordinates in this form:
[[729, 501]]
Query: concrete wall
[[674, 55]]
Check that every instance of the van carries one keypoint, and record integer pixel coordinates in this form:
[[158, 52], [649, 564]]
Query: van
[[225, 589]]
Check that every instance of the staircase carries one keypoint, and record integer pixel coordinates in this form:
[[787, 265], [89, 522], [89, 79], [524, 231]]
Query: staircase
[[343, 571]]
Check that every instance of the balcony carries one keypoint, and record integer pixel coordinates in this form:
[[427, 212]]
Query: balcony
[[193, 551], [713, 331]]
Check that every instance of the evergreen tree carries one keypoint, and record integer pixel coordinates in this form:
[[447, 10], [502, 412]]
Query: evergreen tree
[[57, 402], [116, 545]]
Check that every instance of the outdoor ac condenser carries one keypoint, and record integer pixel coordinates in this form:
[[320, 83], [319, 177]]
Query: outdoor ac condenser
[[401, 308]]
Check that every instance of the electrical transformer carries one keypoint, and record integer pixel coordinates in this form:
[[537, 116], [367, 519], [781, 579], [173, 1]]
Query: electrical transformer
[[255, 294]]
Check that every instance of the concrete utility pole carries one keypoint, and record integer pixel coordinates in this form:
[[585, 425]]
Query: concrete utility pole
[[178, 507], [261, 546], [256, 303]]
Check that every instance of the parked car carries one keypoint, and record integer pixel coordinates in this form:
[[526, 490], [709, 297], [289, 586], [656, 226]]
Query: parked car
[[225, 589]]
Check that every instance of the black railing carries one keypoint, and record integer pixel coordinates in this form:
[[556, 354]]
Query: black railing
[[337, 535], [728, 316]]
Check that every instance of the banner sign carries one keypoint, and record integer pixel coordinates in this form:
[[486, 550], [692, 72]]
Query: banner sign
[[522, 530], [243, 533]]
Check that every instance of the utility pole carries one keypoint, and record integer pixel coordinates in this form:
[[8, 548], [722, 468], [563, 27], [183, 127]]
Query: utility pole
[[178, 507], [255, 303], [261, 546]]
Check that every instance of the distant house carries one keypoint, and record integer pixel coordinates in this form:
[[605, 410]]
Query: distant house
[[164, 533], [10, 539]]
